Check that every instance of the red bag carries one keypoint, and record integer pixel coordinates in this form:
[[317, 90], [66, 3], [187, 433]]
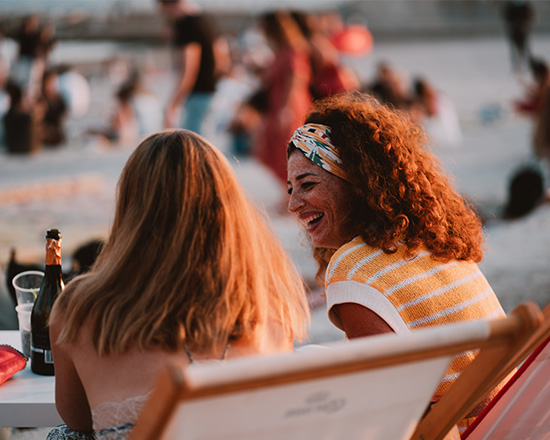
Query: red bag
[[11, 361]]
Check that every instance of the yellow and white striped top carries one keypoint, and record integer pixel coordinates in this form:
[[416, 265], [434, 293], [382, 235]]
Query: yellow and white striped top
[[410, 293]]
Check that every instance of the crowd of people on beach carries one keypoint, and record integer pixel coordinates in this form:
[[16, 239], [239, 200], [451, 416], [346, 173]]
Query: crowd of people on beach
[[283, 62], [32, 108]]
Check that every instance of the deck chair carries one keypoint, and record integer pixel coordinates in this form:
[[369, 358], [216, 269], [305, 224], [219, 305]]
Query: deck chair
[[370, 388], [521, 406], [521, 409]]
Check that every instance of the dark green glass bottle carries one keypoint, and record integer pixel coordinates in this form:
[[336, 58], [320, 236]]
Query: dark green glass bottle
[[52, 285]]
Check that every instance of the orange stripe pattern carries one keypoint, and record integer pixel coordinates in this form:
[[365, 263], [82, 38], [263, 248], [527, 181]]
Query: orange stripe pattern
[[424, 291]]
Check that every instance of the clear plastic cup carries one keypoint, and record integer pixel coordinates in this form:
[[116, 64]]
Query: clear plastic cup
[[26, 285]]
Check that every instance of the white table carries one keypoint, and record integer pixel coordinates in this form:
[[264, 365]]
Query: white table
[[27, 400]]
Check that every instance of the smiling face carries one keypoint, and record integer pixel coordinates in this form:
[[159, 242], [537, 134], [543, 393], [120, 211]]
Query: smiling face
[[319, 200]]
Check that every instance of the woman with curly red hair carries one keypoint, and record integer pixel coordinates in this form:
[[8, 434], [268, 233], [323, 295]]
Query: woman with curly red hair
[[396, 245]]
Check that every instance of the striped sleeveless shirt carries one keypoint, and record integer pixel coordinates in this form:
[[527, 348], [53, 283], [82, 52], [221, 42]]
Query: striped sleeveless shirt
[[411, 293]]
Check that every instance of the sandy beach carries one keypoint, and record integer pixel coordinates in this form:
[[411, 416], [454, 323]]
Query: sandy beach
[[73, 188]]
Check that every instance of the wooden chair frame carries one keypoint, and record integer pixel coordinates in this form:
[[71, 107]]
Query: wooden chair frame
[[489, 369], [534, 348], [498, 340]]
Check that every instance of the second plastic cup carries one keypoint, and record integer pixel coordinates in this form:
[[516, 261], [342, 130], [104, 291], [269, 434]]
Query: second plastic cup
[[24, 315]]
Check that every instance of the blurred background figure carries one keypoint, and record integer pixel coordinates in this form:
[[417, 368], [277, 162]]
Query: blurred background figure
[[30, 63], [136, 113], [436, 113], [75, 90], [84, 258], [541, 134], [286, 83], [525, 192], [122, 127], [519, 16], [21, 123], [55, 110], [5, 63], [535, 88], [389, 86], [329, 75], [201, 55], [247, 122]]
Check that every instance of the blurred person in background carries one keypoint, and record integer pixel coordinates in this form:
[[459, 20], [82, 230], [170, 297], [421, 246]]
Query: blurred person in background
[[137, 113], [30, 62], [532, 102], [389, 86], [122, 128], [201, 55], [55, 110], [329, 75], [435, 111], [519, 16], [5, 64], [286, 82], [541, 134], [21, 122]]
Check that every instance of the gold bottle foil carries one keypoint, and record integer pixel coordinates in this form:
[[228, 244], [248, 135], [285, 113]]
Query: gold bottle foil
[[53, 252]]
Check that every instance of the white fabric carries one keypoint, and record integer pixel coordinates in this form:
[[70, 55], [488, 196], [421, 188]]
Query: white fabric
[[444, 128], [523, 411], [340, 292], [350, 402], [110, 414]]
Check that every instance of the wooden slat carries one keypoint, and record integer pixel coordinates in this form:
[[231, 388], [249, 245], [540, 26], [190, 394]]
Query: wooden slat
[[488, 369]]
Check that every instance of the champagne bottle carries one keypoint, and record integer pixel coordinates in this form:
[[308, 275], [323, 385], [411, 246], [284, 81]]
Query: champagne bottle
[[52, 284]]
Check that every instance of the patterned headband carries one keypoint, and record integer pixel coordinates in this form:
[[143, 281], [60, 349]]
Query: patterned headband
[[313, 140]]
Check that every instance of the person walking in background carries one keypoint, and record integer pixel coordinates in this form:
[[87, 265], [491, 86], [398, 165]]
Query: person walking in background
[[200, 55], [329, 75], [191, 272], [519, 16], [30, 62], [286, 81]]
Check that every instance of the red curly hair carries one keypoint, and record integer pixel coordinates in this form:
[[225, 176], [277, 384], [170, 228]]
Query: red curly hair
[[401, 194]]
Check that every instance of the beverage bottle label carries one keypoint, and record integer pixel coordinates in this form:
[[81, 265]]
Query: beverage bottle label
[[47, 354]]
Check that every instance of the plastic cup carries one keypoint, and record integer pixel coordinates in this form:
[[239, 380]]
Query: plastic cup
[[26, 285], [24, 316]]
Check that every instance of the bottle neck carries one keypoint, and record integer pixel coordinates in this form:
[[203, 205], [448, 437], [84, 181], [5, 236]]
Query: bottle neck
[[53, 252], [52, 271]]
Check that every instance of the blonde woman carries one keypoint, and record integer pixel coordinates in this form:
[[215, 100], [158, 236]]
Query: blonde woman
[[190, 273]]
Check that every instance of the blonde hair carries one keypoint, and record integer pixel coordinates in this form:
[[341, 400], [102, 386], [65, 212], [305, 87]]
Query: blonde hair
[[189, 259]]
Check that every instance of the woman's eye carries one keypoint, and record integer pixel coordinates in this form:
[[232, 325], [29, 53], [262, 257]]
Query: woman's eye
[[289, 191], [307, 185]]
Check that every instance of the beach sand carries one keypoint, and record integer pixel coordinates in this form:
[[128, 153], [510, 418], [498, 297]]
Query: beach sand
[[474, 73]]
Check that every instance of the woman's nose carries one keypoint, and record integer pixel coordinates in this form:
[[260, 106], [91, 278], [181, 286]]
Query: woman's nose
[[294, 202]]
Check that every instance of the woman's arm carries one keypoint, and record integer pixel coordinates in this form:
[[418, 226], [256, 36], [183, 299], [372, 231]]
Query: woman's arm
[[359, 321], [70, 397]]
